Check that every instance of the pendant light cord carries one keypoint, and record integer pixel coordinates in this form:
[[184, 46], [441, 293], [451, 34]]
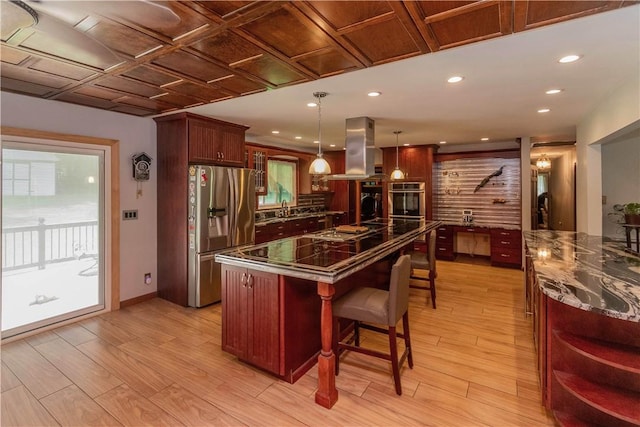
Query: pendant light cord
[[319, 96], [397, 132]]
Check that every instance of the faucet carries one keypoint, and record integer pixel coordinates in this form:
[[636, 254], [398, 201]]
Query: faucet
[[284, 208]]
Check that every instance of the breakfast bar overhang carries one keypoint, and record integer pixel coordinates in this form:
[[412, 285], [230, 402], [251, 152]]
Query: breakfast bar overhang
[[326, 258]]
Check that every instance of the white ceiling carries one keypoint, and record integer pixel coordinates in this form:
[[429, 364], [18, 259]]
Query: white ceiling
[[504, 86]]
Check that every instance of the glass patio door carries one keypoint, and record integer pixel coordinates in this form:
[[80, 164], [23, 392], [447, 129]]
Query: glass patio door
[[52, 233]]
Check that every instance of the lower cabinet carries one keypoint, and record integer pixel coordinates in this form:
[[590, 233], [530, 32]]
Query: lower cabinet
[[286, 228], [444, 242], [506, 247], [250, 325]]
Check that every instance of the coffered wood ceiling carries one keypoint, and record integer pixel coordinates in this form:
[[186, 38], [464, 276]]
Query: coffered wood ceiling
[[143, 58]]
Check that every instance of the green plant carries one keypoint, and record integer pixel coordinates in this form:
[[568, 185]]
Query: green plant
[[632, 208]]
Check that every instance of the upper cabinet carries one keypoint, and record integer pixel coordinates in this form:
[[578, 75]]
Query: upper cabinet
[[257, 159], [208, 141]]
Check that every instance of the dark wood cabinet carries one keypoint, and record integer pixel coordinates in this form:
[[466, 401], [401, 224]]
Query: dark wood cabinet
[[184, 139], [506, 247], [250, 320], [257, 159], [444, 242], [282, 229]]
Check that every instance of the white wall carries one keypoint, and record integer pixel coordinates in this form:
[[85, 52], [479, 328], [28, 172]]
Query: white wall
[[619, 111], [138, 242], [622, 155]]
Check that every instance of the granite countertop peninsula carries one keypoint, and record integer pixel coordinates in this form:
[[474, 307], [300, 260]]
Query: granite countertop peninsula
[[592, 273], [481, 225], [328, 255]]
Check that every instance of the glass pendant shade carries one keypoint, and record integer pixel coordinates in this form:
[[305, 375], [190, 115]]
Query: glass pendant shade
[[319, 166], [397, 173], [543, 162]]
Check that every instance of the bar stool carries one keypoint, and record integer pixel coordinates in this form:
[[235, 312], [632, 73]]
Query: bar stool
[[427, 261], [379, 307]]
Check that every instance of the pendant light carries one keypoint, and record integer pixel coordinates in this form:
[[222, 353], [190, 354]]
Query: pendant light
[[397, 173], [543, 162], [319, 166]]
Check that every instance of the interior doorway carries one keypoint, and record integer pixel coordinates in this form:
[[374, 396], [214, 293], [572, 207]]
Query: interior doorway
[[53, 232], [554, 190]]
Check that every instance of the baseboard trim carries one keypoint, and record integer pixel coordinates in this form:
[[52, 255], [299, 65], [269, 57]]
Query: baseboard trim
[[138, 299]]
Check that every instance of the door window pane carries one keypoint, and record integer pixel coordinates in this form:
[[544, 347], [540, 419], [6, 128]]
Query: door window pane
[[52, 234]]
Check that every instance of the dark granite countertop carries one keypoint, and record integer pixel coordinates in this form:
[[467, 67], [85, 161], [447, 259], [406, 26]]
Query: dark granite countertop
[[326, 255], [481, 225], [592, 273]]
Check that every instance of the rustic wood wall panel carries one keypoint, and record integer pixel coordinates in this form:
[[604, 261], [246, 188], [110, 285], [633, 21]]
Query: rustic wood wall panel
[[222, 49], [496, 203]]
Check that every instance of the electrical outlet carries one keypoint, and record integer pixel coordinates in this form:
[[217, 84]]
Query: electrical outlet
[[147, 278], [131, 214]]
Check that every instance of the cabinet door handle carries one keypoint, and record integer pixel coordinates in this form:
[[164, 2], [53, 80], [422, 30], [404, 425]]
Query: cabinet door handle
[[250, 281], [243, 280]]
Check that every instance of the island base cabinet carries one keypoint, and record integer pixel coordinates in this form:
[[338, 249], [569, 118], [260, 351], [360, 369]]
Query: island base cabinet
[[250, 317]]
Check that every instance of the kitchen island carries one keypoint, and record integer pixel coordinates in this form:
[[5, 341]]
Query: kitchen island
[[271, 314], [584, 293]]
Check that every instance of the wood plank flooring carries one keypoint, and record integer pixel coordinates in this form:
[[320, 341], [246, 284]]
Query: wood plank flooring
[[156, 363]]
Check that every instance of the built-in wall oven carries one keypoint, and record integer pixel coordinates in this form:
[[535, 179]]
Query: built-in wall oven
[[407, 201]]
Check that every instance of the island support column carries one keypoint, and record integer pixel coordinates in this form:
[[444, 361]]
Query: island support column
[[327, 394]]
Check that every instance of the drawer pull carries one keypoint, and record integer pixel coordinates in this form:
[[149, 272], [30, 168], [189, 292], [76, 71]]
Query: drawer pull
[[505, 243], [504, 255]]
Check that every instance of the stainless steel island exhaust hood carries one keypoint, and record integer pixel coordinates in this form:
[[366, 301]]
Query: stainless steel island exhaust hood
[[360, 150]]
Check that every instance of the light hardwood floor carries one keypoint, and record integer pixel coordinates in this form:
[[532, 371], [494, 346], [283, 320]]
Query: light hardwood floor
[[156, 363]]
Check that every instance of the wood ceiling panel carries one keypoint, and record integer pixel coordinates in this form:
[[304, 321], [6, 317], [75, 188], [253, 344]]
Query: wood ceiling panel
[[76, 98], [384, 42], [178, 100], [198, 91], [531, 14], [12, 56], [97, 92], [227, 47], [26, 88], [126, 109], [284, 32], [328, 63], [272, 71], [225, 8], [433, 8], [123, 39], [32, 76], [61, 69], [125, 85], [474, 25], [341, 14], [191, 65], [150, 75], [238, 84], [151, 105], [65, 49]]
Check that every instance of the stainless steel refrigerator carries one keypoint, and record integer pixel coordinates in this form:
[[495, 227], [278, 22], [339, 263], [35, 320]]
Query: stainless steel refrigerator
[[221, 215]]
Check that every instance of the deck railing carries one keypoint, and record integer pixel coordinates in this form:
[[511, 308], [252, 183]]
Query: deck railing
[[38, 245]]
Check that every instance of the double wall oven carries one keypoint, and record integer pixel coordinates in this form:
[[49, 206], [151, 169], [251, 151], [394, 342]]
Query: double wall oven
[[407, 201]]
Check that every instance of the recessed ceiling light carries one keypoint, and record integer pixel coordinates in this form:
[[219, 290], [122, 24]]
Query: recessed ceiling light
[[344, 148], [484, 139], [275, 132], [374, 93], [553, 91], [455, 79], [312, 104], [298, 137], [316, 142], [443, 142], [543, 110], [332, 145], [569, 58]]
